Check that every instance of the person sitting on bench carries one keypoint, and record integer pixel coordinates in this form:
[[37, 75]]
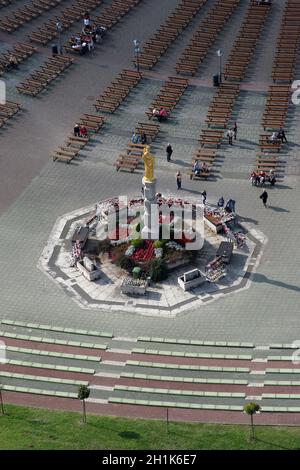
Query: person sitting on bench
[[143, 138], [155, 112], [274, 138], [12, 62], [83, 131], [163, 114], [135, 139], [76, 43], [204, 168], [262, 178], [197, 168]]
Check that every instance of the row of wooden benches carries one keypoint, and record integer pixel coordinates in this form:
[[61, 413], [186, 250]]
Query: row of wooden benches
[[133, 154], [44, 75], [268, 162], [179, 19], [169, 95], [28, 12], [221, 107], [279, 95], [277, 105], [67, 17], [75, 143], [118, 90], [113, 13], [278, 98], [287, 44], [205, 36], [19, 51], [246, 41], [8, 110]]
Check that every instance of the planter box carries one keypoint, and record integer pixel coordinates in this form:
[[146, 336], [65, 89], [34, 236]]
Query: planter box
[[176, 264], [191, 279], [89, 275], [129, 287], [214, 227]]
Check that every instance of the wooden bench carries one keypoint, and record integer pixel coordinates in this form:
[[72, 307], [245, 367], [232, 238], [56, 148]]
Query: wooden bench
[[201, 175]]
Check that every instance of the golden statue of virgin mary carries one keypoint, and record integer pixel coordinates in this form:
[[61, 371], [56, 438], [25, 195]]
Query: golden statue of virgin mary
[[149, 164]]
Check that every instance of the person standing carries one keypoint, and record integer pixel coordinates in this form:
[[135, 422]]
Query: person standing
[[204, 194], [282, 136], [235, 129], [264, 196], [221, 202], [178, 179], [77, 130], [230, 135], [169, 152]]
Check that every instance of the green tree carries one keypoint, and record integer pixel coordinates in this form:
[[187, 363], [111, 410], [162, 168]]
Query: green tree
[[83, 394], [251, 409]]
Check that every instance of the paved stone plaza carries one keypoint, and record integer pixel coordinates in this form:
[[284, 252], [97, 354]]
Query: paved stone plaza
[[35, 191]]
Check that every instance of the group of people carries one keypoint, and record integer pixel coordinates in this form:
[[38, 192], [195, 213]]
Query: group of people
[[12, 63], [80, 131], [139, 138], [259, 178], [229, 207], [90, 35], [200, 167], [161, 114], [278, 136]]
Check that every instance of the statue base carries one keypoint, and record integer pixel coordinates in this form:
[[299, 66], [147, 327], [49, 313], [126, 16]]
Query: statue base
[[150, 230]]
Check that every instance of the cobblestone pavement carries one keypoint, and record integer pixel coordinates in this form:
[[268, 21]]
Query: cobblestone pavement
[[34, 191]]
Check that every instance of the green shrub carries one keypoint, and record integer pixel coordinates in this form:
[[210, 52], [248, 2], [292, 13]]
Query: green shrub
[[159, 243], [126, 263], [137, 243], [158, 270]]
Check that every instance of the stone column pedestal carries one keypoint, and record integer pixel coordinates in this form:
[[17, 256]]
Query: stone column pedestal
[[150, 230]]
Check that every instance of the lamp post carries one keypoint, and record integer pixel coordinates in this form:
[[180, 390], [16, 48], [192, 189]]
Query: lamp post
[[59, 29], [219, 54], [1, 401], [137, 51]]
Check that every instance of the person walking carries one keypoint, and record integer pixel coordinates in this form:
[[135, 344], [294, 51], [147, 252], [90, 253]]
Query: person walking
[[235, 129], [204, 194], [264, 196], [169, 152], [230, 135], [178, 179]]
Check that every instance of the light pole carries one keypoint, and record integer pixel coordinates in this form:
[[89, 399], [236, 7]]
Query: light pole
[[59, 29], [219, 54], [137, 51], [1, 401]]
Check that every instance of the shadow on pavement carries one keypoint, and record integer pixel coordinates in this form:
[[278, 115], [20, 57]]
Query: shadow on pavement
[[262, 278], [278, 209]]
